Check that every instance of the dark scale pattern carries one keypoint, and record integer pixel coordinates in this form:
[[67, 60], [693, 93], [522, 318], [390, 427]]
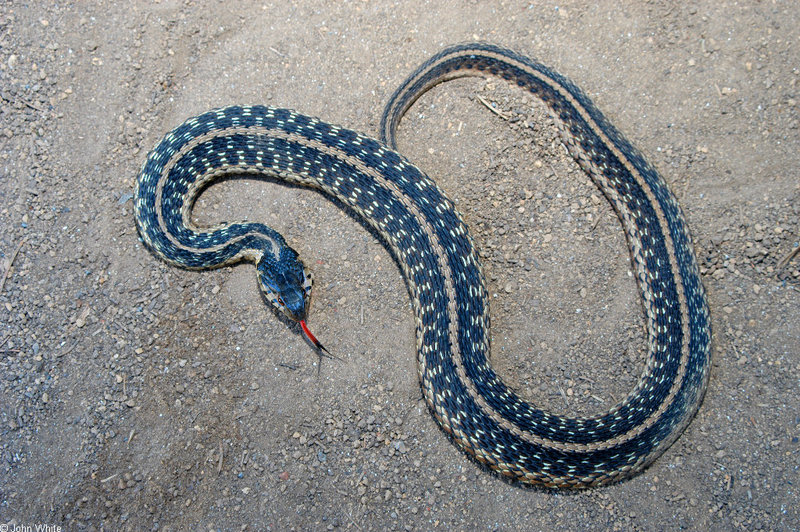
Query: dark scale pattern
[[430, 242], [639, 407], [652, 416]]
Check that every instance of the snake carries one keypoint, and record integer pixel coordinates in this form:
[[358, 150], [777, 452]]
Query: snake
[[429, 240]]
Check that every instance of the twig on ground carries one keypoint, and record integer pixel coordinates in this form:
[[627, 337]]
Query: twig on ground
[[501, 114], [11, 263], [784, 262]]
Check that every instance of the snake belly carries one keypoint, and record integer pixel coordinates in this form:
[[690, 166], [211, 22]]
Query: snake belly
[[439, 261]]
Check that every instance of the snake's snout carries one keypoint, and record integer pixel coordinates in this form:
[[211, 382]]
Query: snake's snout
[[287, 285], [294, 303], [284, 284]]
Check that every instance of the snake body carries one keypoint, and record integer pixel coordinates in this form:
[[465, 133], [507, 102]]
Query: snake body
[[436, 254]]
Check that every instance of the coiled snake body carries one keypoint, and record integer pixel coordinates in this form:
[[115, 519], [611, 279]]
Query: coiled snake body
[[430, 242]]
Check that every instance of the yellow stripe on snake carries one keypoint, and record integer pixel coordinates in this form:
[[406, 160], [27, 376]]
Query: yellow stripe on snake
[[432, 246]]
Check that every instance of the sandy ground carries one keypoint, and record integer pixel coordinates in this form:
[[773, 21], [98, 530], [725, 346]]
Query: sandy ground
[[134, 395]]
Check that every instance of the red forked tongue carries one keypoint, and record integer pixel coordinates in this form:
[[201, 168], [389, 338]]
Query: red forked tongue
[[312, 338]]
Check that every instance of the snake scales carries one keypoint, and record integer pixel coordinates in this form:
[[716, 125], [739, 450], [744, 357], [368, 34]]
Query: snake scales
[[430, 242]]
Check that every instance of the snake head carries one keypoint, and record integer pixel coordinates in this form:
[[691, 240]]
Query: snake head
[[285, 283]]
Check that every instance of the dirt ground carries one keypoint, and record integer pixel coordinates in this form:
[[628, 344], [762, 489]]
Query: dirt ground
[[135, 395]]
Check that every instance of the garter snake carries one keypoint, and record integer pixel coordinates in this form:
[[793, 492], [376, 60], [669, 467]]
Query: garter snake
[[436, 254]]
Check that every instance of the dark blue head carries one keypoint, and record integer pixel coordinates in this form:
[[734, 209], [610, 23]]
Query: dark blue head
[[285, 283]]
